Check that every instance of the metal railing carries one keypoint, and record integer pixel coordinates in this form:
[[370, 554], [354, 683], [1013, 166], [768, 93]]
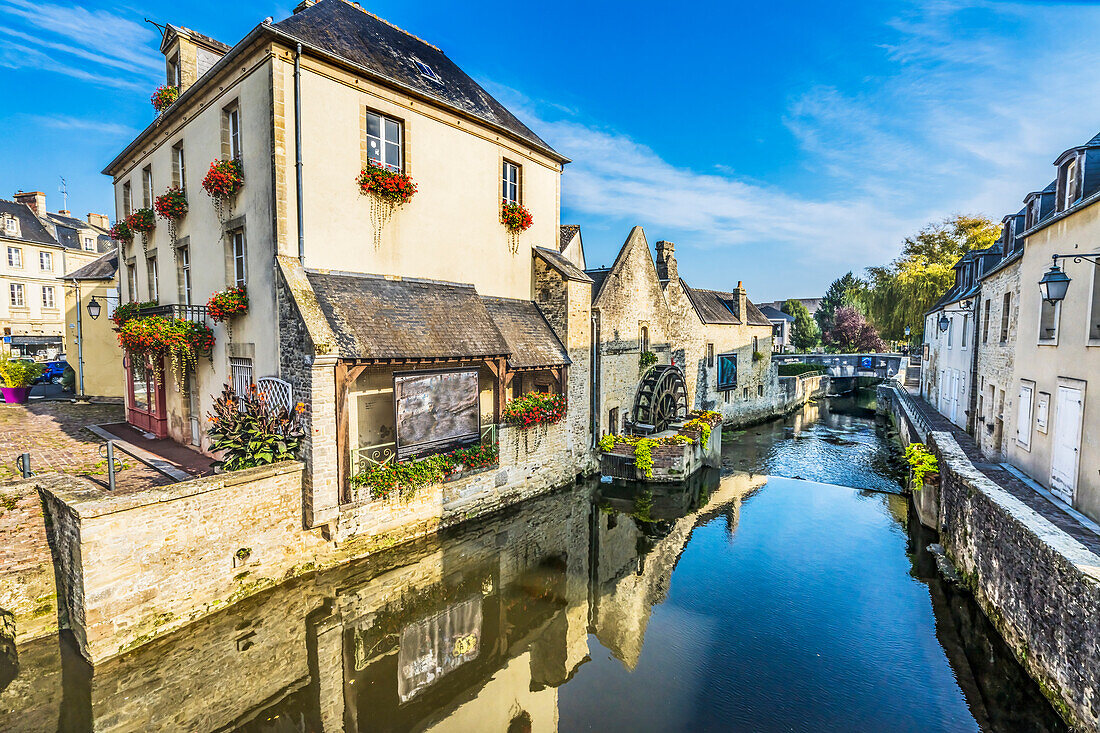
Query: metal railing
[[382, 453], [911, 407], [184, 312]]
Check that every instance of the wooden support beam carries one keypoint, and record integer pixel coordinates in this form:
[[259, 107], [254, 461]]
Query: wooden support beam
[[343, 448], [498, 394]]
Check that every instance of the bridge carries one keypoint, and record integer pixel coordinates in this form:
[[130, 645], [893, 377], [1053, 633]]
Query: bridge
[[849, 371]]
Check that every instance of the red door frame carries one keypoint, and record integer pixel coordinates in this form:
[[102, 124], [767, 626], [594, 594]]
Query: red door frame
[[153, 418]]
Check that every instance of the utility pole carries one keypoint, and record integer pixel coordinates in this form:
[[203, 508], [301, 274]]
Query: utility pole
[[64, 191]]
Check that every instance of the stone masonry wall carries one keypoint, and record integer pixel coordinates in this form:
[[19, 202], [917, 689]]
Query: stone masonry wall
[[995, 364], [28, 597], [1039, 586]]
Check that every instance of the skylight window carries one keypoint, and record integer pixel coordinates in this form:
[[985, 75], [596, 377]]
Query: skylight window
[[426, 70]]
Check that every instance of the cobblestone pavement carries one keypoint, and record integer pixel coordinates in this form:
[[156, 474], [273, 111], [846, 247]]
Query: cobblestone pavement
[[1044, 506], [54, 434]]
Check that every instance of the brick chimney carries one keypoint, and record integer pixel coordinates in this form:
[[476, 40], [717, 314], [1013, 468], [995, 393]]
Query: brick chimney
[[666, 261], [99, 220], [741, 297], [34, 199]]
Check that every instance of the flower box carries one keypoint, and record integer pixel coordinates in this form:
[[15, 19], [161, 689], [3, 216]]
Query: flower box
[[164, 97], [172, 204], [227, 304], [534, 408], [142, 221], [224, 179], [390, 186], [515, 218]]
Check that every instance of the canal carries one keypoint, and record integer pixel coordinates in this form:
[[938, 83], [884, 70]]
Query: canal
[[791, 591]]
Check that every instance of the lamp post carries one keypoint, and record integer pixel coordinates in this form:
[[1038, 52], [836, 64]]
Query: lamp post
[[945, 322], [1055, 283], [94, 308], [908, 340]]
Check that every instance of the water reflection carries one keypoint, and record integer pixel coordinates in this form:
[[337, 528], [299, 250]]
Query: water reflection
[[735, 603]]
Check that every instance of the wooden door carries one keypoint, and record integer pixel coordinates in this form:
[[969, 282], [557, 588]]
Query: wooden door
[[1066, 444], [145, 405]]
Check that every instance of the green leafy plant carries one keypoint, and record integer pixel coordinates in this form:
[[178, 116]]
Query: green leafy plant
[[19, 372], [797, 369], [249, 431], [164, 96], [757, 355], [646, 359], [534, 408], [142, 221], [922, 463], [126, 311], [643, 447], [403, 479]]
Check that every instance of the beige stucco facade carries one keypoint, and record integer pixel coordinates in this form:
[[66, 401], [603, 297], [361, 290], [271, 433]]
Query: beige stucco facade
[[1067, 364], [91, 345]]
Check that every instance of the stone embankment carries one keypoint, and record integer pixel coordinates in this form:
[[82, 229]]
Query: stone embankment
[[1036, 581]]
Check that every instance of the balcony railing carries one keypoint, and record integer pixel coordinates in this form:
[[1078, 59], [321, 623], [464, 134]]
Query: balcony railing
[[193, 313]]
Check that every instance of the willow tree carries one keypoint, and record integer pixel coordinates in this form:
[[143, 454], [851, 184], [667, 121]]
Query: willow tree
[[899, 294]]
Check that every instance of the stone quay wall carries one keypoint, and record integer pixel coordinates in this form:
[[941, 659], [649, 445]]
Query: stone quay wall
[[28, 597], [1039, 586], [797, 391]]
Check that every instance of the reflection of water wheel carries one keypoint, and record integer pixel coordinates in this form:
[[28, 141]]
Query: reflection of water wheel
[[661, 397]]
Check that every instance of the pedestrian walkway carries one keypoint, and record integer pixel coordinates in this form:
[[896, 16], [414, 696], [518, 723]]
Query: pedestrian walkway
[[1006, 480]]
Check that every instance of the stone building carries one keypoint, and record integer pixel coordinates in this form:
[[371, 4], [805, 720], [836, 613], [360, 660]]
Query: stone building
[[364, 312], [709, 350], [39, 247], [998, 309]]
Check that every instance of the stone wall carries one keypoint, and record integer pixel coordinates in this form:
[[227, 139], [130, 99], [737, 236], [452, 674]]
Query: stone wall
[[134, 566], [28, 597], [1039, 586], [995, 417]]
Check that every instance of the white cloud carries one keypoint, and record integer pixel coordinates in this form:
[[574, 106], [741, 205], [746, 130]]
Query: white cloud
[[63, 122]]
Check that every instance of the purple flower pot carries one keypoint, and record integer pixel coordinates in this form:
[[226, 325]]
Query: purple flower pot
[[15, 395]]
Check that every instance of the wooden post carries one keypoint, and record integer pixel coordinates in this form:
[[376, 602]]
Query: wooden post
[[343, 449]]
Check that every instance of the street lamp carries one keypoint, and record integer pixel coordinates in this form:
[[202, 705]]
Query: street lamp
[[1055, 283], [94, 308], [945, 323]]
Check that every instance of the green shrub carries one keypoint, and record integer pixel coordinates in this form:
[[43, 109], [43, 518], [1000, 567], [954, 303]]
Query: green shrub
[[251, 432], [921, 462], [797, 369], [646, 359], [19, 372]]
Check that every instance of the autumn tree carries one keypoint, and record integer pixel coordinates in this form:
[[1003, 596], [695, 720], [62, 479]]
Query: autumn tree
[[805, 333], [899, 294], [851, 333]]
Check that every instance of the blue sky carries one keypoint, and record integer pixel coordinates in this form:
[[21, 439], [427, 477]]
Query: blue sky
[[778, 143]]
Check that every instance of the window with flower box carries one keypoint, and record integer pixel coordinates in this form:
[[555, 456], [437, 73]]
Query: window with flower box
[[179, 173], [127, 200], [384, 141], [231, 131], [511, 182]]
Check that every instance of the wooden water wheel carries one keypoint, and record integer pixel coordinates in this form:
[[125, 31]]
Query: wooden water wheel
[[661, 398]]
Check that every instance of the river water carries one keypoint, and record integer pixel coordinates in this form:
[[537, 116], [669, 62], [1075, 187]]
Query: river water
[[789, 592]]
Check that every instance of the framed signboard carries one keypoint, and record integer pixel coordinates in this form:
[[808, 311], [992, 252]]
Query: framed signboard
[[435, 410], [727, 371]]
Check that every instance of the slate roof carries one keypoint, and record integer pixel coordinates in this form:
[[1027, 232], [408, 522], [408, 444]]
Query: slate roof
[[568, 231], [1094, 143], [72, 222], [715, 306], [67, 237], [598, 276], [775, 314], [103, 268], [200, 37], [31, 228], [378, 318], [530, 339], [562, 264], [352, 34]]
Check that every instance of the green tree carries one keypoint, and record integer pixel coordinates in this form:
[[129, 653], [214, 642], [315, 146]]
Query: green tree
[[805, 334], [845, 291], [899, 294]]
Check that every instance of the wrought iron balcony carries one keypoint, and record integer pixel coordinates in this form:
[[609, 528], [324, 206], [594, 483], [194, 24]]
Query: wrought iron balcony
[[193, 313]]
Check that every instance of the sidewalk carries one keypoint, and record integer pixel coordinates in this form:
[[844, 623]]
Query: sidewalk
[[1006, 480]]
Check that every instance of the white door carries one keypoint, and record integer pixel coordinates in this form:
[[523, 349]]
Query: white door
[[1067, 443], [954, 396], [1023, 416]]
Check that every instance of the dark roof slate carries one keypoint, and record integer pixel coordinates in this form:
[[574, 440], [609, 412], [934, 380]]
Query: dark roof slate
[[339, 28], [31, 228], [72, 222], [775, 314], [715, 306], [568, 231], [67, 237], [530, 339], [103, 268], [379, 318], [562, 264], [598, 277]]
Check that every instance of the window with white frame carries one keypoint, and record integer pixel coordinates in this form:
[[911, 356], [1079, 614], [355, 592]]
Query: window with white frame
[[11, 226], [1033, 212], [240, 262], [240, 370], [88, 244], [185, 273], [179, 172], [48, 296], [965, 331], [233, 124], [15, 257], [151, 271], [510, 190], [384, 141], [45, 261], [16, 292]]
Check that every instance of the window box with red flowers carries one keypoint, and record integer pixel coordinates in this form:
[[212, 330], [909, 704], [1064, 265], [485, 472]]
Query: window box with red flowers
[[133, 309], [515, 218], [223, 182], [387, 190], [534, 408], [164, 97], [226, 305], [171, 205], [183, 340], [142, 222], [121, 232]]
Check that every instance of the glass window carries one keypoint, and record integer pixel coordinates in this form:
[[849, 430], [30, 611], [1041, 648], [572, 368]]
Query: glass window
[[1006, 309], [234, 123], [241, 374], [45, 260], [151, 268], [131, 283], [710, 355], [1048, 321], [147, 187], [139, 382], [1071, 183], [985, 322], [384, 141], [510, 191], [185, 273], [240, 265], [47, 296], [127, 200], [1094, 315], [17, 295], [15, 257], [88, 244], [965, 330], [11, 225], [644, 340], [179, 173]]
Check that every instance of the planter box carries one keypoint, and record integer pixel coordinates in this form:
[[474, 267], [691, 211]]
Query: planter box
[[16, 395]]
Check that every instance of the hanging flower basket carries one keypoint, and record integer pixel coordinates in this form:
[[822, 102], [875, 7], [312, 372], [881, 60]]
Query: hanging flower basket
[[226, 305], [534, 408], [223, 182], [387, 190], [515, 218], [142, 222], [164, 96], [182, 340], [121, 232], [171, 205]]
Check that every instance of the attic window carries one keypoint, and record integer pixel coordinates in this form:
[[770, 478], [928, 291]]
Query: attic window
[[426, 70], [11, 226]]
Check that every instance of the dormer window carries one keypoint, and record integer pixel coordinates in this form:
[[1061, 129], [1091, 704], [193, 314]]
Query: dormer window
[[1032, 213], [426, 70], [1070, 184], [11, 226], [174, 76]]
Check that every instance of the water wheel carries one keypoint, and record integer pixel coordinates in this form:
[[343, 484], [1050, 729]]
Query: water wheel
[[661, 398]]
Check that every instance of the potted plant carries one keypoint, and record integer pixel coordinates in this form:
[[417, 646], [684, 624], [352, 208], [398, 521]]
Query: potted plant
[[515, 218], [222, 183], [18, 376], [164, 96]]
